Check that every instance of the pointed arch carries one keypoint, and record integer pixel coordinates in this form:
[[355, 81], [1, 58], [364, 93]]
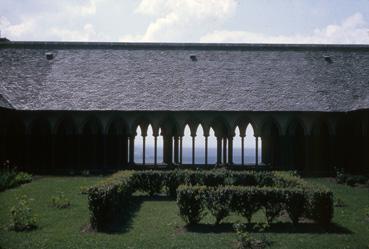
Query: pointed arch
[[212, 147], [296, 146], [150, 146], [117, 144], [139, 146], [199, 146], [65, 145], [92, 150], [250, 145], [270, 149], [321, 148], [15, 140], [238, 147], [187, 146], [40, 146], [160, 147]]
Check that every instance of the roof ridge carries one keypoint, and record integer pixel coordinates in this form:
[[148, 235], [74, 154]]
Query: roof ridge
[[181, 46]]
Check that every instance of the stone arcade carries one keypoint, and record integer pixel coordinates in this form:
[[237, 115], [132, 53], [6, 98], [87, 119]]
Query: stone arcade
[[76, 106]]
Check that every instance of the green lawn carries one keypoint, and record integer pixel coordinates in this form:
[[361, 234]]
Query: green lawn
[[155, 224]]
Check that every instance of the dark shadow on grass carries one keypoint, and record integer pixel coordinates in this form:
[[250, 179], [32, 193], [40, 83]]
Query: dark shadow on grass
[[123, 222], [310, 228]]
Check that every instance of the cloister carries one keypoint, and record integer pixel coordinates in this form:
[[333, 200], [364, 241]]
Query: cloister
[[312, 143], [60, 112]]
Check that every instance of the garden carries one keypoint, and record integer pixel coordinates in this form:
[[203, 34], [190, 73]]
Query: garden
[[185, 209]]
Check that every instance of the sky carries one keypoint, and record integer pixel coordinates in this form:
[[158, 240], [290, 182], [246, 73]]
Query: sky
[[235, 21]]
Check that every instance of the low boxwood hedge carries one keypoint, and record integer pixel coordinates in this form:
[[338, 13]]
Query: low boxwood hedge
[[109, 197], [315, 204], [272, 191]]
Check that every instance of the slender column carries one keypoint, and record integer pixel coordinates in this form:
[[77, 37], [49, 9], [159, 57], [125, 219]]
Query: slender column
[[131, 150], [230, 150], [308, 167], [143, 149], [224, 150], [180, 150], [256, 150], [193, 150], [105, 150], [243, 150], [168, 149], [206, 150], [155, 150], [53, 150], [219, 150], [176, 146]]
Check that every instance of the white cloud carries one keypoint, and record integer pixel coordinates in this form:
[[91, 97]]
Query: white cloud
[[17, 30], [49, 20], [86, 34], [85, 9], [177, 20], [352, 30]]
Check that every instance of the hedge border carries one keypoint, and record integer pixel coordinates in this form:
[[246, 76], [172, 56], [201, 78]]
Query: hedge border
[[109, 197]]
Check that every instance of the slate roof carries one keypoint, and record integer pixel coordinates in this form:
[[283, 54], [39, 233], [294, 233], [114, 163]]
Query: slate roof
[[4, 103], [162, 76]]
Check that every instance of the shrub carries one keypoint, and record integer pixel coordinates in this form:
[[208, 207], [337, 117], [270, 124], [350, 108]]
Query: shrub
[[10, 177], [320, 205], [280, 190], [339, 203], [108, 198], [272, 203], [190, 204], [22, 218], [295, 202], [340, 175], [218, 202], [246, 201], [150, 182], [60, 201], [245, 240], [172, 180]]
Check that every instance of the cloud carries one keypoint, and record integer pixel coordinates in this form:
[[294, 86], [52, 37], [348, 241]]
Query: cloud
[[50, 20], [17, 30], [87, 33], [178, 20], [353, 30]]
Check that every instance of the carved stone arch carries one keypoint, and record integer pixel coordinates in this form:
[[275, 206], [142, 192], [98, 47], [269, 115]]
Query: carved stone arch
[[243, 122], [116, 125], [15, 140], [193, 123], [295, 122], [321, 123], [116, 143], [143, 122], [169, 126], [296, 148], [92, 149], [271, 131], [206, 127], [267, 124], [66, 141], [65, 123], [92, 122], [40, 145], [220, 127]]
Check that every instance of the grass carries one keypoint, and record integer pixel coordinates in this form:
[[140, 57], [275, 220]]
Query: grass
[[154, 222]]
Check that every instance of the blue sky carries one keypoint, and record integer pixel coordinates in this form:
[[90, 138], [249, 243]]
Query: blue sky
[[264, 21]]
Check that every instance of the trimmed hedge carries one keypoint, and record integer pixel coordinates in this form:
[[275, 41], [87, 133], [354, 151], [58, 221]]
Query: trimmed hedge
[[271, 191], [246, 201], [109, 197]]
